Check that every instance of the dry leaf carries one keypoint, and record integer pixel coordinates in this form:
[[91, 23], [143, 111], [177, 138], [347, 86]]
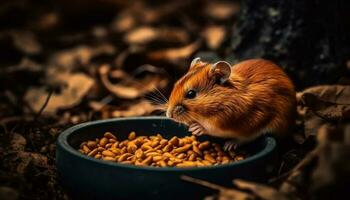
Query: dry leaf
[[99, 105], [80, 55], [146, 34], [26, 42], [130, 88], [123, 22], [324, 104], [141, 35], [262, 191], [224, 193], [221, 10], [333, 167], [18, 142], [174, 54], [75, 88], [139, 109], [338, 94], [25, 65], [36, 158], [312, 123], [214, 36]]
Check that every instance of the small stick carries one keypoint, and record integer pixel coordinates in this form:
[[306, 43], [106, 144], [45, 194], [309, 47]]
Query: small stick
[[44, 105], [202, 182]]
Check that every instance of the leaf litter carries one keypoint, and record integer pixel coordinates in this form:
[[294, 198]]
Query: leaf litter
[[58, 72]]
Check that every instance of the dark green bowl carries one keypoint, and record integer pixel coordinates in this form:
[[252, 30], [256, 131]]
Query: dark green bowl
[[89, 178]]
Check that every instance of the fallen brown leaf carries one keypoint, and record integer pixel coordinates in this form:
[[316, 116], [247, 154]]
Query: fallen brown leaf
[[222, 10], [262, 191], [130, 88], [146, 34], [123, 22], [37, 158], [26, 42], [67, 59], [24, 65], [141, 35], [322, 104], [75, 88], [214, 36], [224, 193], [99, 105], [175, 54], [18, 142], [338, 94]]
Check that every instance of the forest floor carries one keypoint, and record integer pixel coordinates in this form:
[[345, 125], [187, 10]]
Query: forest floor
[[60, 69]]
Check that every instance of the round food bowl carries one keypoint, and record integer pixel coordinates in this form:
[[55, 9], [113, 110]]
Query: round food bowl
[[89, 178]]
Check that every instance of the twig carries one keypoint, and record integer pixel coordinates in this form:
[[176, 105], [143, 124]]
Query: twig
[[224, 193], [301, 164], [44, 105], [201, 182]]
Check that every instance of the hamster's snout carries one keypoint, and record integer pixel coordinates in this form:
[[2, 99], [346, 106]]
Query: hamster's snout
[[176, 111]]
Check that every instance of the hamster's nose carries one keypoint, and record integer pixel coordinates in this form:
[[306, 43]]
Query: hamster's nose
[[179, 109]]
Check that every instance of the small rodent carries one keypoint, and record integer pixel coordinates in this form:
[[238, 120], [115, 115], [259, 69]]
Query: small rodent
[[241, 101]]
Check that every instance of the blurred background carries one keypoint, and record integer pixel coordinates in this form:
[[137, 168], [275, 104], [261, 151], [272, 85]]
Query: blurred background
[[64, 62]]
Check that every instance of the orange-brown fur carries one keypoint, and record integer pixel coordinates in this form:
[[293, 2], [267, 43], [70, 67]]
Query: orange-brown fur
[[258, 97]]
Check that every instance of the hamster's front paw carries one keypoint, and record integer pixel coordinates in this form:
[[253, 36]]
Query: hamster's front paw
[[231, 145], [196, 129]]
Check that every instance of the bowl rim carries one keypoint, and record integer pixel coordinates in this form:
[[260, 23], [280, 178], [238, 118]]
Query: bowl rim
[[62, 141]]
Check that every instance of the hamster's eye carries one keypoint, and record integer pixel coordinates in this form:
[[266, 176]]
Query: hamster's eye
[[191, 94]]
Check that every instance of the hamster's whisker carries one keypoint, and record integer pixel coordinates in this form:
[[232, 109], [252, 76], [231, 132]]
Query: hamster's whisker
[[153, 101], [155, 98], [156, 95], [162, 95]]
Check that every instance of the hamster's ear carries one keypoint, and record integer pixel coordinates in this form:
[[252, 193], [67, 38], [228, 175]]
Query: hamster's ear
[[195, 62], [221, 70]]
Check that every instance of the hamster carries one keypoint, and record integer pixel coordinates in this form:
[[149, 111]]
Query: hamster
[[240, 102]]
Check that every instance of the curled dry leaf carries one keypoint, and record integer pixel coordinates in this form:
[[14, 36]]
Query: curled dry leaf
[[141, 35], [123, 22], [99, 105], [333, 166], [36, 158], [174, 54], [26, 42], [146, 34], [129, 88], [338, 94], [214, 36], [81, 55], [140, 13], [25, 65], [47, 21], [262, 191], [18, 142], [75, 87], [324, 104], [139, 109], [224, 193], [312, 123], [221, 10]]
